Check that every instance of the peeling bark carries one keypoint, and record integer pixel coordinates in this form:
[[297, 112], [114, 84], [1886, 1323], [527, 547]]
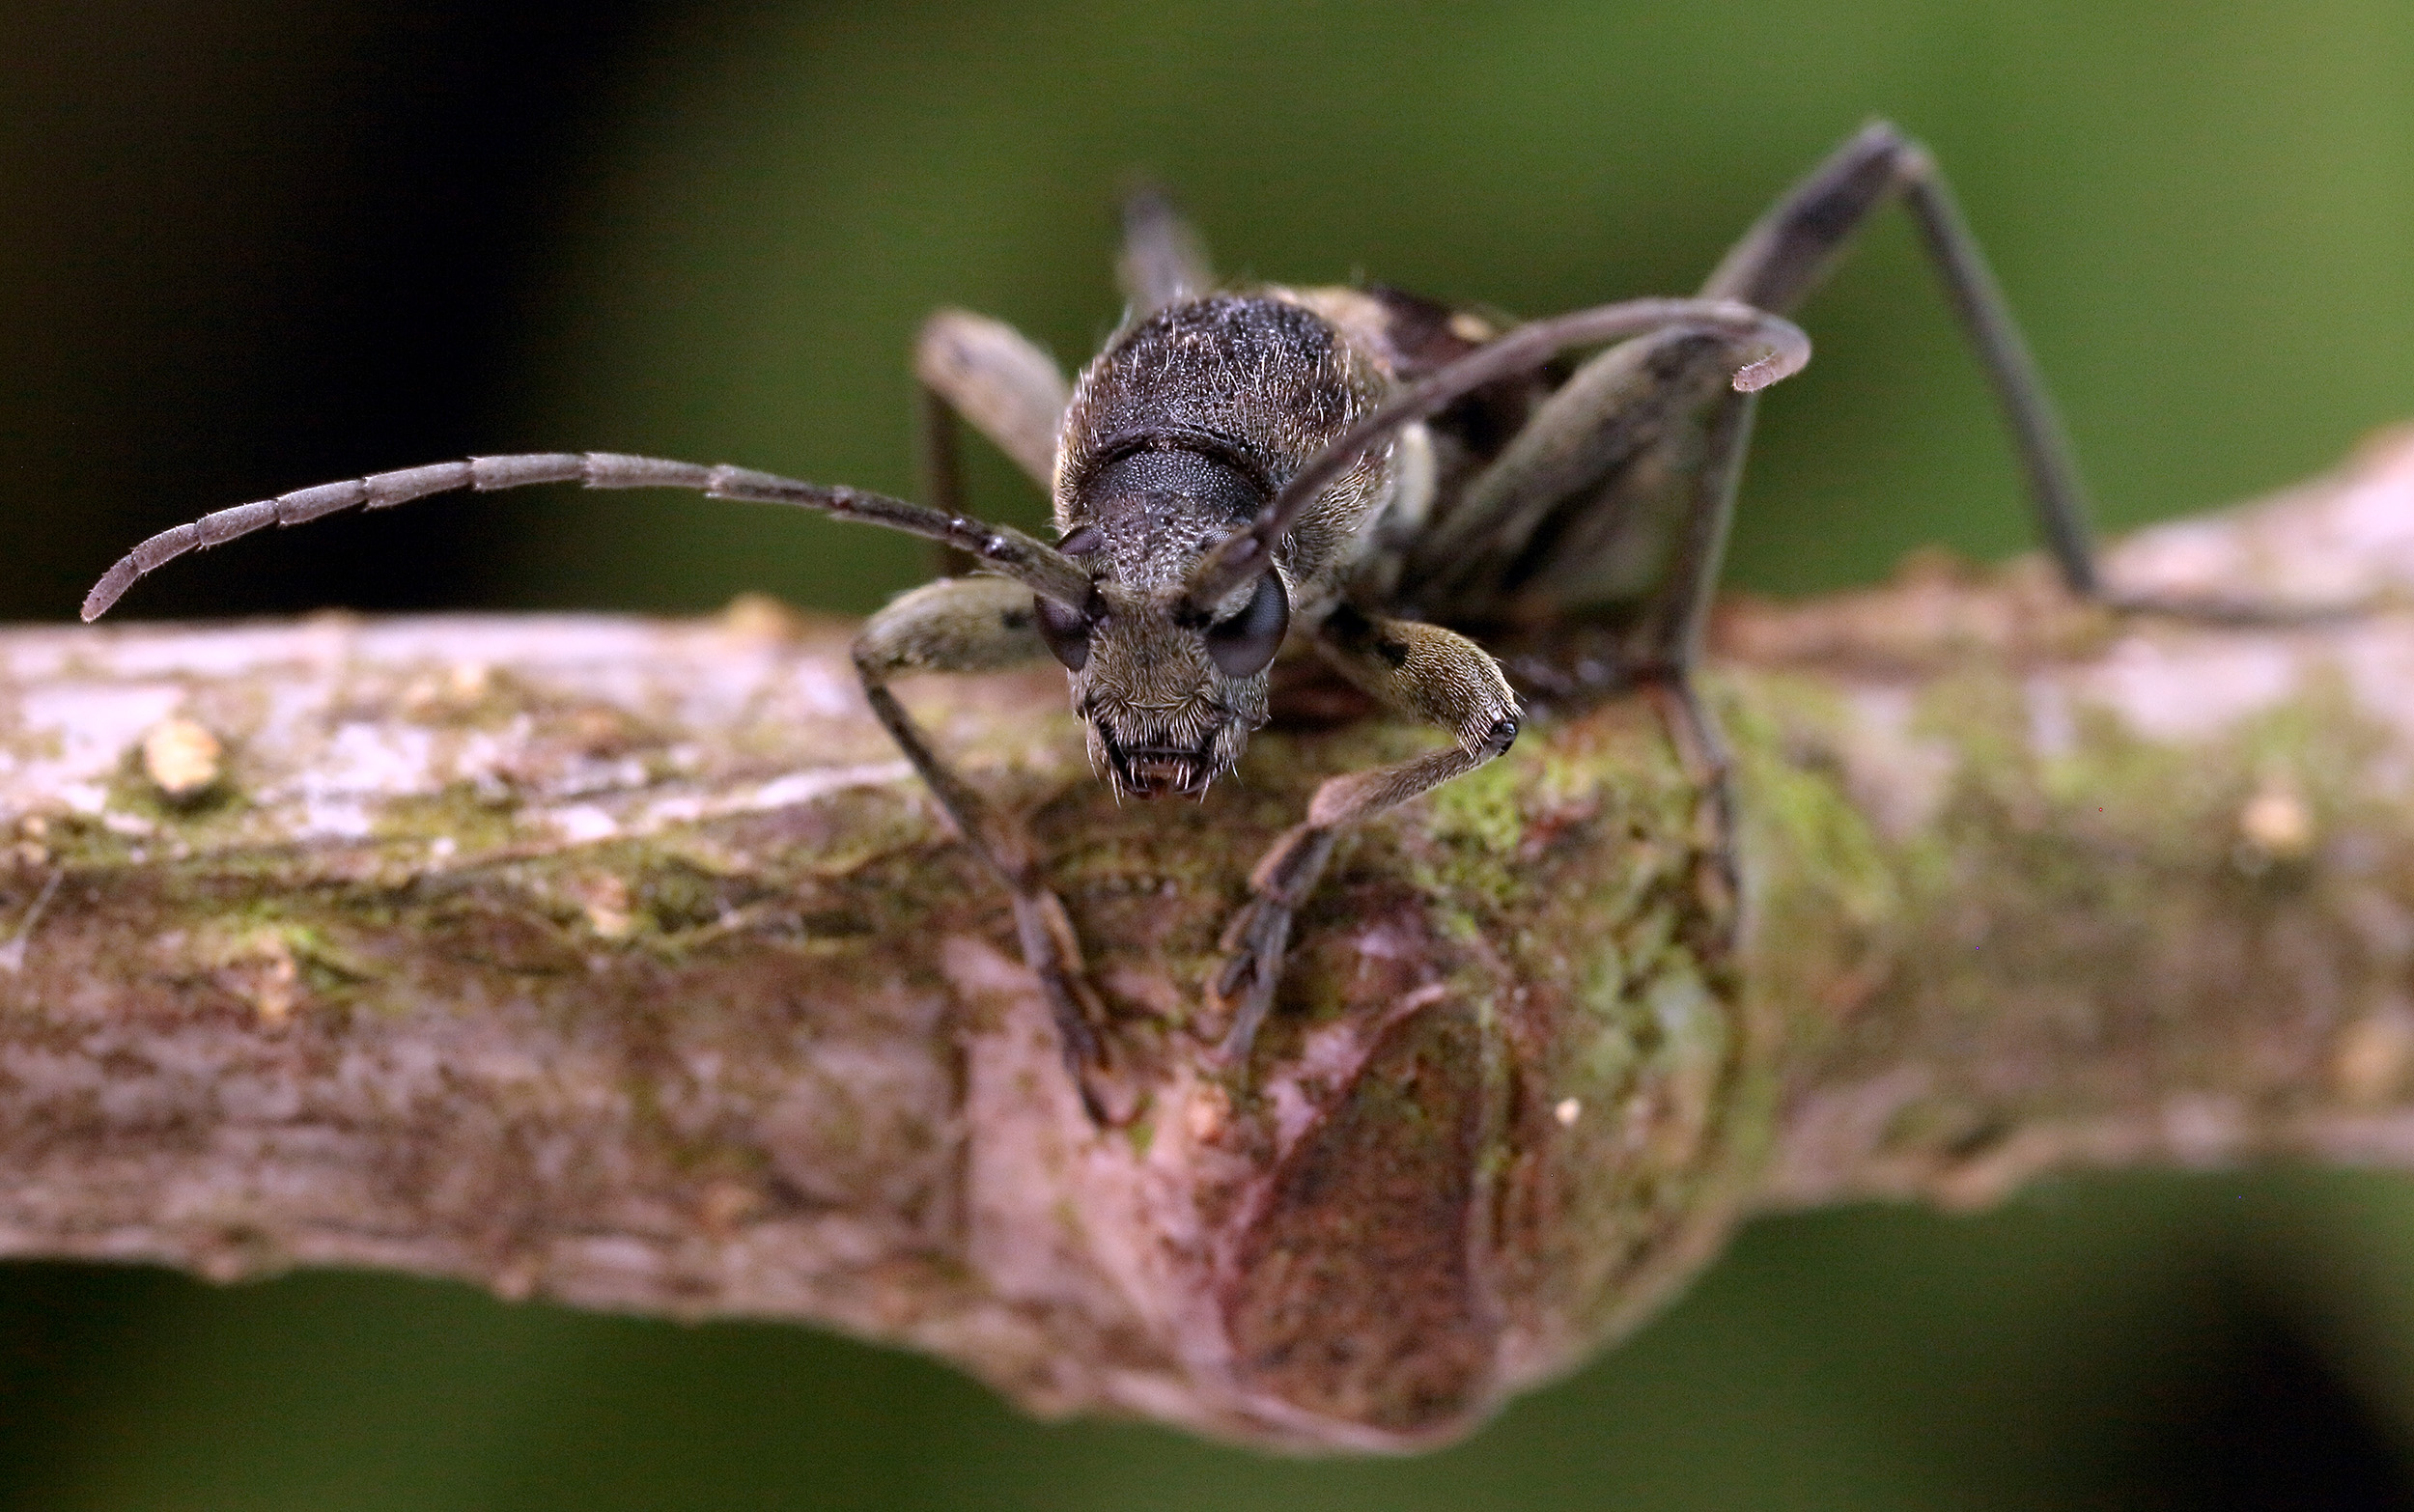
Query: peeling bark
[[622, 963]]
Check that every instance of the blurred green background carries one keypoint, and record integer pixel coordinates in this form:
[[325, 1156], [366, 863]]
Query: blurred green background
[[252, 247]]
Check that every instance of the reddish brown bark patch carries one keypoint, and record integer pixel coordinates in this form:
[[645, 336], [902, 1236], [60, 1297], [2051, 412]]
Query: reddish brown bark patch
[[1355, 1295]]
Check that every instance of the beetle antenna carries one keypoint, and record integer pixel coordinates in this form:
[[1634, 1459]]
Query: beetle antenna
[[1039, 567], [1771, 347]]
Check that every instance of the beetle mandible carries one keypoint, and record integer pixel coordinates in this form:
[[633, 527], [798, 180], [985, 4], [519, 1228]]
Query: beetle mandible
[[1358, 469]]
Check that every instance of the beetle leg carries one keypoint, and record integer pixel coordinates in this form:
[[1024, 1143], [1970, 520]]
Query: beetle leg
[[1163, 260], [1668, 642], [1669, 638], [1787, 253], [1421, 670], [985, 625], [972, 367], [994, 376], [1567, 515]]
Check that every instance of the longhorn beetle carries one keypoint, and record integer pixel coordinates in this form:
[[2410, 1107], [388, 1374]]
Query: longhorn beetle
[[1354, 468]]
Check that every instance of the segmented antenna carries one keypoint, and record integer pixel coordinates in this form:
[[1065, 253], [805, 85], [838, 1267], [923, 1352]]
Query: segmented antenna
[[1782, 352], [1034, 564]]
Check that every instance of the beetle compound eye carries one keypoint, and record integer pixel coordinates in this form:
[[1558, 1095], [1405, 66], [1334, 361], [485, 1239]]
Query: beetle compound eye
[[1242, 645], [1065, 631]]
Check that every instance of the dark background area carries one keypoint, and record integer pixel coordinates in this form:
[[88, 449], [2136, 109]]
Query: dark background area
[[255, 247]]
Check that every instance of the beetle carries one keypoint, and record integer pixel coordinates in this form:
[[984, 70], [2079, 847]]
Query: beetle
[[1358, 469]]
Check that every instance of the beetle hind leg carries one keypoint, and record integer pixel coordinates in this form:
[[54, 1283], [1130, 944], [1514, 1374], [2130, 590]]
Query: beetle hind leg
[[1787, 252]]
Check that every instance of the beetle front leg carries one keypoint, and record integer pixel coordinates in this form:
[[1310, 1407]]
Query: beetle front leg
[[1422, 670], [985, 624]]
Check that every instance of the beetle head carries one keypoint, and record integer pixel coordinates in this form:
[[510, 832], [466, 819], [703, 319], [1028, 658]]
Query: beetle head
[[1169, 698]]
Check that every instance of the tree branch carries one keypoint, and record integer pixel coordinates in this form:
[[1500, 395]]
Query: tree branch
[[623, 963]]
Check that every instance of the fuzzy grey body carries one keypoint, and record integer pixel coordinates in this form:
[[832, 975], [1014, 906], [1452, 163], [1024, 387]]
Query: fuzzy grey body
[[1258, 385], [1189, 423]]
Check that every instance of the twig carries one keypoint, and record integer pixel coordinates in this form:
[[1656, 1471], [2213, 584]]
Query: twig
[[619, 962]]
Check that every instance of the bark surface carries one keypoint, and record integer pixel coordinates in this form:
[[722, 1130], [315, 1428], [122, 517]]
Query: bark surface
[[623, 963]]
